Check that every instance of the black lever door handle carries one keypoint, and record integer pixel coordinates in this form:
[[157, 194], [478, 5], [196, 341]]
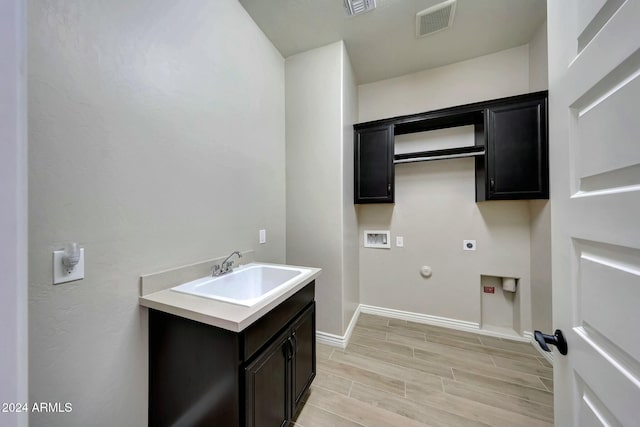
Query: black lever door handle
[[556, 339]]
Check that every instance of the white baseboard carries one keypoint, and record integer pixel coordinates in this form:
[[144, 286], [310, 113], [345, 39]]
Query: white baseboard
[[460, 325], [340, 341], [420, 318], [547, 354]]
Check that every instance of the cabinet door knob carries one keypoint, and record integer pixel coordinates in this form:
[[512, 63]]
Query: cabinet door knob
[[294, 343], [290, 347]]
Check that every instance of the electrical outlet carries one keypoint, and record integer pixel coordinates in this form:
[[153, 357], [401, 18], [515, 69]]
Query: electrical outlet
[[263, 236], [399, 241], [469, 245]]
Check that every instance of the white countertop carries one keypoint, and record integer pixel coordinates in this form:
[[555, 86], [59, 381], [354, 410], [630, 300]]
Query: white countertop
[[224, 315]]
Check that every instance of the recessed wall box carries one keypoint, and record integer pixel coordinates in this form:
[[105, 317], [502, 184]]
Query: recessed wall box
[[377, 239]]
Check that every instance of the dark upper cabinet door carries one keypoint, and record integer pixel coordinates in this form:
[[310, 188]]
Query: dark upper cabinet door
[[517, 163], [267, 382], [303, 337], [374, 169]]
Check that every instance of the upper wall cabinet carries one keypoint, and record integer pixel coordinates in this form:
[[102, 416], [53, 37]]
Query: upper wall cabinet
[[510, 148], [374, 170], [516, 160]]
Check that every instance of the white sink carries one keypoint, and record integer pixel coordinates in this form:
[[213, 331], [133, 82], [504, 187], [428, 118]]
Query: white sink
[[246, 285]]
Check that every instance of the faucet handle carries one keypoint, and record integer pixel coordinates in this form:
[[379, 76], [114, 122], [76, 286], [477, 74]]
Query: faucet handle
[[215, 270]]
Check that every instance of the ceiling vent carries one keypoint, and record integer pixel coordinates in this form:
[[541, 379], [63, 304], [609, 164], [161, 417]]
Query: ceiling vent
[[356, 7], [435, 18]]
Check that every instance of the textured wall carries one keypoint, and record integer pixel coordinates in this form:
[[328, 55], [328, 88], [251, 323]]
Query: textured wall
[[541, 304], [321, 101], [434, 212], [538, 63], [314, 174], [497, 75], [435, 207], [156, 139], [350, 257], [541, 313]]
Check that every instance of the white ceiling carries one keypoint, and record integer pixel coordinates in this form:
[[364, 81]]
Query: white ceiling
[[382, 43]]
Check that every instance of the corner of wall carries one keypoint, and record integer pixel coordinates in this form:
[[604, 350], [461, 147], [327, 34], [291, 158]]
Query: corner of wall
[[350, 254], [538, 63], [541, 291], [314, 147]]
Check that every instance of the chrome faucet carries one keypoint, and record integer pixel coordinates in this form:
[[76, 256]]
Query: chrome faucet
[[225, 266]]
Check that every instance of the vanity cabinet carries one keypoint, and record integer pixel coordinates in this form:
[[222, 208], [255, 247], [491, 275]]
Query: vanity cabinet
[[374, 171], [510, 148], [204, 376], [275, 382], [516, 160]]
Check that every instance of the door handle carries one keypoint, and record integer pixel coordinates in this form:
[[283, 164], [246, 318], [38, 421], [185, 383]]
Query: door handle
[[556, 339], [388, 188], [492, 184]]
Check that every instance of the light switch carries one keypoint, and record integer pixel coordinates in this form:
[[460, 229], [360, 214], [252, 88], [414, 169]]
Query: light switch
[[60, 274], [399, 241], [263, 236]]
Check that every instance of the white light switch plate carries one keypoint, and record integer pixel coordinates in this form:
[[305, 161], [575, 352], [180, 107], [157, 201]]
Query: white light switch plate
[[469, 245], [399, 241], [263, 236], [59, 272]]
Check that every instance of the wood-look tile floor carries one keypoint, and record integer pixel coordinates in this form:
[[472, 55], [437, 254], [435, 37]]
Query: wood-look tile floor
[[397, 373]]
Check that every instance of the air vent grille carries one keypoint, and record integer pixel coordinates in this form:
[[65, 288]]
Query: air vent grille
[[356, 7], [435, 18]]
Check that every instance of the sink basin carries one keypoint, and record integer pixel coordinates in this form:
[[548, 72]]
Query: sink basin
[[246, 285]]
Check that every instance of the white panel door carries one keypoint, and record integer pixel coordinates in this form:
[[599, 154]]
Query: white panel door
[[594, 134]]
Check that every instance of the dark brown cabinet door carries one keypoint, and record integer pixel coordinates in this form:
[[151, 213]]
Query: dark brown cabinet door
[[267, 382], [374, 169], [204, 376], [193, 373], [517, 158], [303, 338]]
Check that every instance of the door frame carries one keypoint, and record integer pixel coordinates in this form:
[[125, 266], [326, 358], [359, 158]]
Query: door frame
[[14, 214]]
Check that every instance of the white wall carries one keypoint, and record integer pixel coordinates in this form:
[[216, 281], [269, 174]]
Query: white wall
[[321, 226], [434, 212], [541, 303], [13, 214], [539, 210], [497, 75], [350, 259], [538, 63], [435, 205], [156, 139]]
